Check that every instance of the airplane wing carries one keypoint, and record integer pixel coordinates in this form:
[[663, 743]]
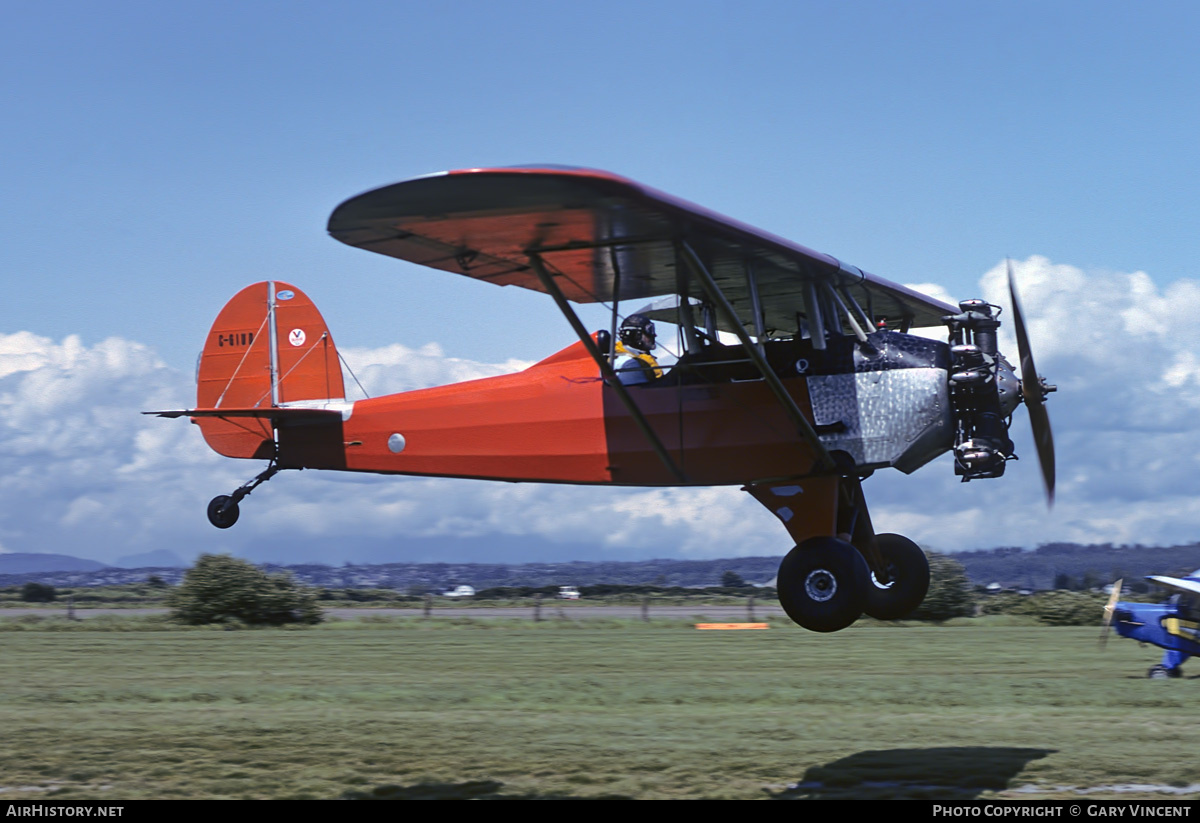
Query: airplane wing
[[603, 237], [1188, 585]]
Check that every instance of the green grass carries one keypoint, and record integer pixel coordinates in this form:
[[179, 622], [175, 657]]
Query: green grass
[[404, 708]]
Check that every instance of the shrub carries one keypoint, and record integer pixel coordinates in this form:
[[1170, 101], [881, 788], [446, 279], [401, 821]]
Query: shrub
[[37, 593], [1054, 608], [732, 580], [949, 590], [223, 589]]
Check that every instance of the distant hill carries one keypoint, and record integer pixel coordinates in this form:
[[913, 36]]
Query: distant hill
[[29, 563], [1099, 564], [436, 577], [1080, 566], [442, 576], [157, 559]]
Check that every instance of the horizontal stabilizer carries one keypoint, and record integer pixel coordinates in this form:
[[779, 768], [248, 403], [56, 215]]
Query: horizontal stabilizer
[[270, 413]]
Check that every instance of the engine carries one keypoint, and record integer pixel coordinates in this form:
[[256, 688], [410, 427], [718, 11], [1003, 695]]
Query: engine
[[984, 391]]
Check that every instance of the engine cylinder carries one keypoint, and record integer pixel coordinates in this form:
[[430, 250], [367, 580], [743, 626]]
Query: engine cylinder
[[983, 392]]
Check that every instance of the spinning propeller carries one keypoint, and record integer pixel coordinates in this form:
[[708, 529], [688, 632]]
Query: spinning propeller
[[1109, 608], [1034, 390]]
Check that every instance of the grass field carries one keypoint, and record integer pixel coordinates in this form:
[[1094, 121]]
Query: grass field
[[588, 709]]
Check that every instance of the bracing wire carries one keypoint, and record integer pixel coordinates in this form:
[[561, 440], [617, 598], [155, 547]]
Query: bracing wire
[[352, 374]]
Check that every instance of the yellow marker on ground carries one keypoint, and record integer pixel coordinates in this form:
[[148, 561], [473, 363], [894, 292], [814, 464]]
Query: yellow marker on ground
[[728, 626]]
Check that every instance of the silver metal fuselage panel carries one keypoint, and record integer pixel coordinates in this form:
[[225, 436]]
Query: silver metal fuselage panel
[[897, 417]]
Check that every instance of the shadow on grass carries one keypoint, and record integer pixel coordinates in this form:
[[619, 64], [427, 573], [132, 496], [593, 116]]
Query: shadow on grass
[[471, 790], [958, 773]]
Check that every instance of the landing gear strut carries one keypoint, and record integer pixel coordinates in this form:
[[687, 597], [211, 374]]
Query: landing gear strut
[[826, 583], [223, 509]]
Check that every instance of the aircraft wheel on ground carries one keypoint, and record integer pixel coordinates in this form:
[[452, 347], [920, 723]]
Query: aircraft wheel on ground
[[222, 519], [1160, 672], [823, 583], [908, 569]]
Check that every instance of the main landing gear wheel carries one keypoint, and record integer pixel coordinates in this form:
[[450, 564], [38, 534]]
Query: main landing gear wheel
[[221, 512], [823, 583], [908, 573], [1160, 672]]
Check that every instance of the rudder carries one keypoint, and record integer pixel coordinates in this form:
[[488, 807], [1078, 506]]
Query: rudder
[[268, 347]]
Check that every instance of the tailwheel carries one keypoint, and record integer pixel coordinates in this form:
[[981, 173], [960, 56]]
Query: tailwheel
[[907, 579], [223, 511], [823, 584]]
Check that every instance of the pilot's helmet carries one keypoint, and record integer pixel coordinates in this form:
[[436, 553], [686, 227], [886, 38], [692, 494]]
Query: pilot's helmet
[[638, 332]]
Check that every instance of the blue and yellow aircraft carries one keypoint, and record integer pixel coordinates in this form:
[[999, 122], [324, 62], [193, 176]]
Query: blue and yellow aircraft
[[1173, 626]]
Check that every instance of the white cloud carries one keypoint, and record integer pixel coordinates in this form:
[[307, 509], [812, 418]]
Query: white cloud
[[1120, 350], [81, 472], [934, 290], [398, 368]]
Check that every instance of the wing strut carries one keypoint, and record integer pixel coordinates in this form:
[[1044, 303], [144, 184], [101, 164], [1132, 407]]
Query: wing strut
[[606, 369], [837, 299], [616, 304], [713, 291], [816, 321], [756, 306]]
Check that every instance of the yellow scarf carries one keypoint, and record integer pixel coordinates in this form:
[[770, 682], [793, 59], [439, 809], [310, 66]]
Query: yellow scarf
[[645, 357]]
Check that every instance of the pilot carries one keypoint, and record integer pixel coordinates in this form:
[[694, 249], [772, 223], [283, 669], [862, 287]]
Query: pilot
[[635, 365]]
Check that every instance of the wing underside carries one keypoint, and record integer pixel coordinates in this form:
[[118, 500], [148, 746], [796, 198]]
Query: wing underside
[[604, 238], [1183, 585]]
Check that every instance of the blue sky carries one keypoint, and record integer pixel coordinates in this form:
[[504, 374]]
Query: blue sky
[[160, 156]]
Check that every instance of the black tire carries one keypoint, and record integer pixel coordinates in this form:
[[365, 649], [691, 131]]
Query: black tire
[[1160, 672], [222, 519], [822, 584], [908, 569]]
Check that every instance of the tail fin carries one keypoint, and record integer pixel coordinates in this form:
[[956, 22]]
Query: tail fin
[[268, 347]]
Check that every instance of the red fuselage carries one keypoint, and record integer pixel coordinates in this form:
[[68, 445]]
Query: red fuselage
[[558, 422]]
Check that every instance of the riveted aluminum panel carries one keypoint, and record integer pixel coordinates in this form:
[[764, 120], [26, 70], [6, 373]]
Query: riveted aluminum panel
[[896, 418]]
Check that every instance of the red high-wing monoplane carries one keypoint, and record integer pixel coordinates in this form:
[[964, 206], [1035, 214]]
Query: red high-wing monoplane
[[795, 375]]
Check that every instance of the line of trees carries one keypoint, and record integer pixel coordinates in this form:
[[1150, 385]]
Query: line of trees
[[225, 589]]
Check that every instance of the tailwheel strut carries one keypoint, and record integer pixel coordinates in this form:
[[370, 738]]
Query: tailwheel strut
[[223, 509]]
